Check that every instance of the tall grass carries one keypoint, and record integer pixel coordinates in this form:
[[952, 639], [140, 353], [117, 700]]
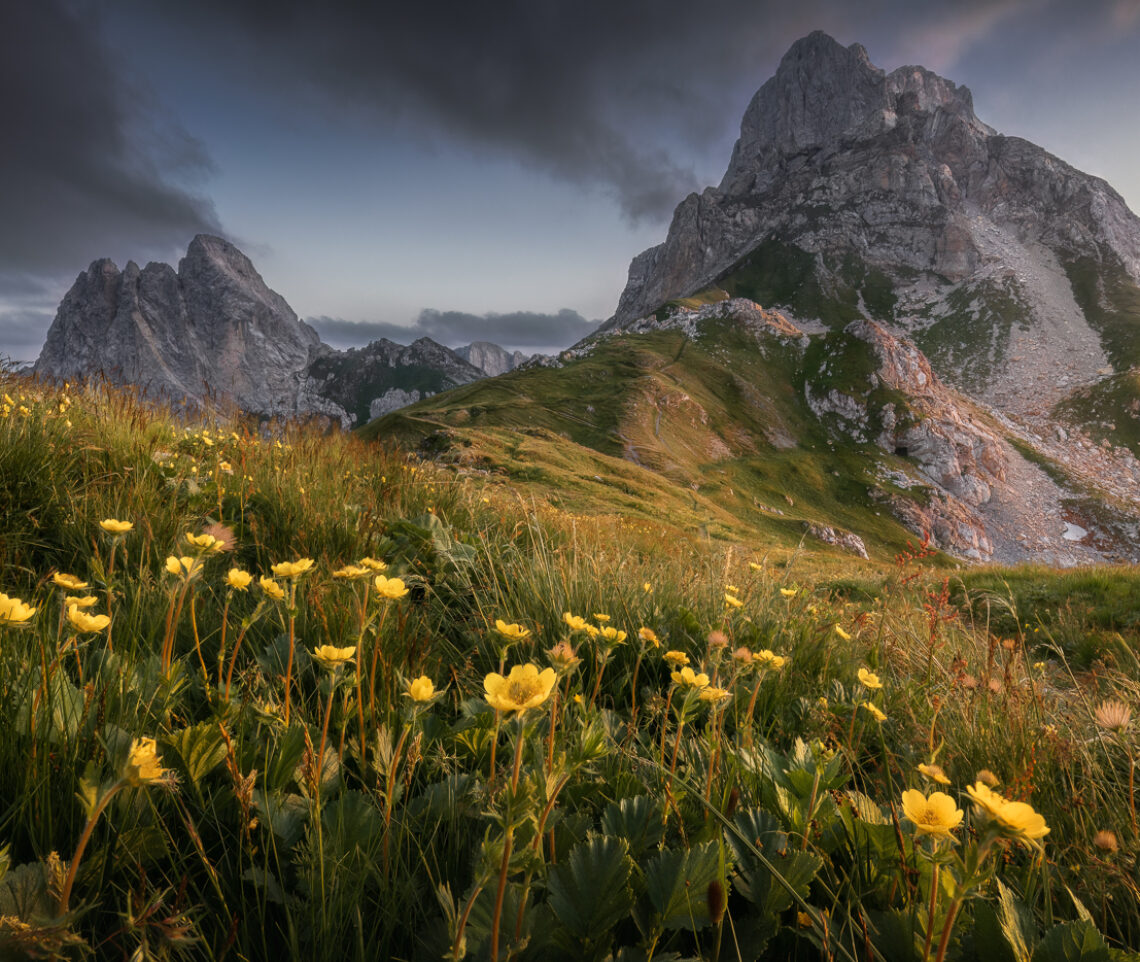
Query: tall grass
[[309, 801]]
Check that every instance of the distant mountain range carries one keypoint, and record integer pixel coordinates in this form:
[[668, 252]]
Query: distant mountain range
[[948, 342], [214, 329]]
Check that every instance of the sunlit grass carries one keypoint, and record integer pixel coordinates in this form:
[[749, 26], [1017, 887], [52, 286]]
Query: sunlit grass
[[273, 692]]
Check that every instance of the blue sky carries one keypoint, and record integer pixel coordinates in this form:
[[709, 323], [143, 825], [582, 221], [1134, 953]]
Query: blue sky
[[495, 165]]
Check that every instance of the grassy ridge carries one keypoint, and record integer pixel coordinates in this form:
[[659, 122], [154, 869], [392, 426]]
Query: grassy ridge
[[310, 806]]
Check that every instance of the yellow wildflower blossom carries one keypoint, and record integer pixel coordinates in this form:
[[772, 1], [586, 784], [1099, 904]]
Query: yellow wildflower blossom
[[373, 565], [206, 543], [732, 601], [272, 589], [85, 623], [875, 712], [81, 601], [1021, 821], [113, 526], [391, 588], [181, 566], [14, 612], [842, 634], [934, 773], [687, 678], [329, 656], [648, 635], [987, 802], [575, 622], [238, 579], [513, 632], [788, 592], [676, 658], [421, 689], [524, 688], [291, 569], [143, 766], [713, 694], [612, 636], [352, 572], [868, 679], [70, 582], [937, 815]]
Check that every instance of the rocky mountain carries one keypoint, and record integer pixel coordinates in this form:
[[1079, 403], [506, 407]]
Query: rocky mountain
[[854, 192], [214, 329], [948, 339], [491, 359]]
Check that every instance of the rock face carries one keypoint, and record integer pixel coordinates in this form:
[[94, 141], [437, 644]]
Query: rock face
[[384, 375], [852, 192], [491, 359], [213, 329]]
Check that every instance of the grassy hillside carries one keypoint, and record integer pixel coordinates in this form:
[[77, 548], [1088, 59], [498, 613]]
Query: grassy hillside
[[708, 435], [253, 706]]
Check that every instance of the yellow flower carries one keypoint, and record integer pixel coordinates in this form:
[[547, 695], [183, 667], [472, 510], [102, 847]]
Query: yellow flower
[[647, 634], [291, 569], [181, 566], [842, 634], [690, 679], [935, 773], [83, 622], [512, 631], [576, 622], [612, 636], [1020, 820], [788, 592], [352, 572], [647, 587], [373, 565], [601, 619], [937, 815], [236, 578], [869, 679], [732, 602], [143, 766], [591, 631], [272, 588], [206, 543], [770, 660], [392, 588], [329, 656], [421, 689], [713, 694], [524, 688], [987, 802], [875, 712], [111, 526], [70, 582], [676, 658], [14, 612], [84, 601], [732, 588]]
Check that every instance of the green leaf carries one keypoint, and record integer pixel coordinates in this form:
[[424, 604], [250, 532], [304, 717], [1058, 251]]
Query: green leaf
[[589, 891], [765, 864], [200, 748], [286, 815], [1017, 926], [1072, 942], [638, 820], [282, 759], [677, 883]]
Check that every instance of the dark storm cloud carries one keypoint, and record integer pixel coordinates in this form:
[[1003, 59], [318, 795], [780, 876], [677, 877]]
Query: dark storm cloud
[[522, 330], [22, 333], [591, 91], [86, 166]]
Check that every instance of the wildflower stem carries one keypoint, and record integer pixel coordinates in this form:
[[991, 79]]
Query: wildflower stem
[[508, 838], [292, 641], [931, 911], [84, 838], [222, 646]]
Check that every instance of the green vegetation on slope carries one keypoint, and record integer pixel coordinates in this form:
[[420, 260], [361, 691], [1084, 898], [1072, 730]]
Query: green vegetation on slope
[[716, 426], [325, 762], [1110, 299], [1108, 410]]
